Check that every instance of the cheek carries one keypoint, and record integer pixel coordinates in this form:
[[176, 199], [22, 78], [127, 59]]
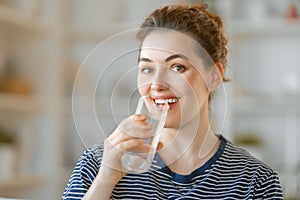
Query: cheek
[[143, 89], [197, 82], [188, 84], [201, 92], [195, 89]]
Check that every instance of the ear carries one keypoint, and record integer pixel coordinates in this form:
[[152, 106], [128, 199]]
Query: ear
[[217, 75]]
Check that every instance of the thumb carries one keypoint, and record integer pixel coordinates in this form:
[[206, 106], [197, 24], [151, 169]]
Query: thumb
[[160, 145]]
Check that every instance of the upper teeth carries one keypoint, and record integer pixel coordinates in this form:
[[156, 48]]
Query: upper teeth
[[161, 101]]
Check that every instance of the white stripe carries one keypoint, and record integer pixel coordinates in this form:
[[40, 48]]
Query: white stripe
[[234, 174]]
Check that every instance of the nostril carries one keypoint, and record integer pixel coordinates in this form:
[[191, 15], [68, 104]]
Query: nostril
[[158, 86]]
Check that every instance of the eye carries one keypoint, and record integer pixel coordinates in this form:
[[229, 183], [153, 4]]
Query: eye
[[146, 70], [178, 68]]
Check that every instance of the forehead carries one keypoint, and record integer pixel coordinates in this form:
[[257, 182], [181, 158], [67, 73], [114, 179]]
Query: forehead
[[164, 43]]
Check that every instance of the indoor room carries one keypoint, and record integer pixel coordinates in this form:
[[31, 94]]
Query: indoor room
[[68, 78]]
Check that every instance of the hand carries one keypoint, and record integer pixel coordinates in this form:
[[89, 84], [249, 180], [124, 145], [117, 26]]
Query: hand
[[126, 137]]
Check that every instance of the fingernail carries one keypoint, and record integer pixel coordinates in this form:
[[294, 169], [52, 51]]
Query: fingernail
[[140, 116]]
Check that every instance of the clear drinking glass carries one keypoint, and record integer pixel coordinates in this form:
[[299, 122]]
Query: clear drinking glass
[[138, 162]]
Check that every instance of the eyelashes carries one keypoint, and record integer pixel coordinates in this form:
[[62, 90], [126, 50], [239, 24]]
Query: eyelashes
[[178, 68], [147, 70]]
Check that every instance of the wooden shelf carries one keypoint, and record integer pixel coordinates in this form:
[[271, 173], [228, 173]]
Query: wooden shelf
[[21, 104], [96, 32], [17, 19], [281, 27], [266, 105], [20, 181]]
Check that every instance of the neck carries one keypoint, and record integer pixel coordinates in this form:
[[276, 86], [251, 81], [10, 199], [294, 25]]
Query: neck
[[185, 148]]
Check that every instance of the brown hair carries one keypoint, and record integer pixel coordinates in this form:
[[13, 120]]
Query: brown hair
[[204, 27]]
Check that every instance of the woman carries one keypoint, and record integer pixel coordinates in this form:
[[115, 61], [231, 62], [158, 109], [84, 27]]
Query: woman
[[192, 161]]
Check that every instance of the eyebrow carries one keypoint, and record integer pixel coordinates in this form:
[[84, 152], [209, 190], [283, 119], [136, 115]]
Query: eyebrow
[[172, 57]]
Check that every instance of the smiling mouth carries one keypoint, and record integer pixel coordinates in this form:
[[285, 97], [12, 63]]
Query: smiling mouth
[[162, 101]]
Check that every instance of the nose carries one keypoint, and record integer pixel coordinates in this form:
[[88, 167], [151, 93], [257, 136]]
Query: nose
[[158, 87], [160, 80]]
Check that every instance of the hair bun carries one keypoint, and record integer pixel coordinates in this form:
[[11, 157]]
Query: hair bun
[[204, 5]]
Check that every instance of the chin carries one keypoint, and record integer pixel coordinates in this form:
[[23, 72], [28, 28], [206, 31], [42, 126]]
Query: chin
[[172, 123]]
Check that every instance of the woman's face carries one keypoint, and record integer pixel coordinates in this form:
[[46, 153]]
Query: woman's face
[[170, 71]]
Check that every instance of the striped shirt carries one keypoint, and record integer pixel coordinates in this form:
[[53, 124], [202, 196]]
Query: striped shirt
[[232, 173]]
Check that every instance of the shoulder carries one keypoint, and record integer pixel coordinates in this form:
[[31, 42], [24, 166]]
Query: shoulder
[[90, 161], [93, 153], [84, 173], [236, 162], [234, 157]]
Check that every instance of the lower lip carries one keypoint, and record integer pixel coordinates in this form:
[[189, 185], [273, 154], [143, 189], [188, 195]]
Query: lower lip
[[172, 105]]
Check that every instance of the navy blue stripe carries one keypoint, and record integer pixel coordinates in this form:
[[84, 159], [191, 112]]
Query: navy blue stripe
[[232, 173]]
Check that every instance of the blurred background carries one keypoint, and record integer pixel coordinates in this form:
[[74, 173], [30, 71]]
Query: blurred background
[[43, 43]]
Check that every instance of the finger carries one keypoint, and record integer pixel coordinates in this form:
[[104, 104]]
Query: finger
[[160, 145], [134, 123], [142, 148], [136, 134], [136, 130], [123, 126], [130, 145], [118, 136], [139, 119], [134, 126]]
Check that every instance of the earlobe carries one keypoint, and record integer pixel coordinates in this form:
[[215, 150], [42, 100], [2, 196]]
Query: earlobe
[[217, 75]]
